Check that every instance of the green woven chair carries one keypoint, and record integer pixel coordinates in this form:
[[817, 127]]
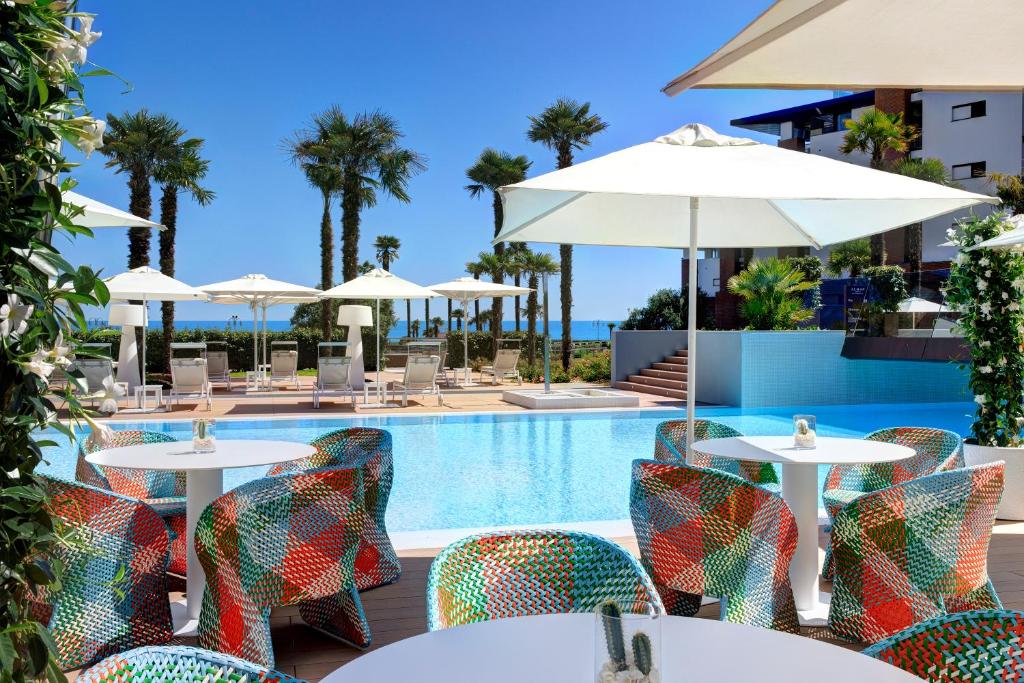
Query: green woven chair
[[522, 573], [179, 665], [670, 447], [983, 646]]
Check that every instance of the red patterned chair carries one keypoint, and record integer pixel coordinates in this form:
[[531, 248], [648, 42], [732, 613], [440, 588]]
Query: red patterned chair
[[705, 532], [290, 539], [179, 664], [370, 450], [670, 447]]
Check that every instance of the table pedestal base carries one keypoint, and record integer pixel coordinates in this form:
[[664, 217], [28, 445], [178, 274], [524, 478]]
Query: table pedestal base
[[817, 615], [184, 626], [202, 488]]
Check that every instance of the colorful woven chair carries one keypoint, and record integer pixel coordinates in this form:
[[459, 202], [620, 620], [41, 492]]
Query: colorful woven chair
[[284, 540], [983, 646], [370, 450], [670, 447], [705, 532], [179, 665], [914, 551], [113, 592], [162, 490], [938, 450], [521, 573]]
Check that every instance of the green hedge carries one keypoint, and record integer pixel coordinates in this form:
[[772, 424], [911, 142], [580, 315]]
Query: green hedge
[[481, 346]]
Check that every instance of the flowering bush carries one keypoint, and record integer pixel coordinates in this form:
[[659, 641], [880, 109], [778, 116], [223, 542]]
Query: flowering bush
[[986, 286]]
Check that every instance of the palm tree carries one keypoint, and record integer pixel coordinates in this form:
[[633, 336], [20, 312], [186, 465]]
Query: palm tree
[[426, 317], [366, 151], [415, 328], [137, 144], [436, 323], [932, 171], [515, 266], [535, 265], [772, 289], [492, 170], [307, 151], [565, 126], [476, 270], [183, 173], [854, 256], [493, 265], [449, 327], [387, 247], [1009, 188], [458, 314]]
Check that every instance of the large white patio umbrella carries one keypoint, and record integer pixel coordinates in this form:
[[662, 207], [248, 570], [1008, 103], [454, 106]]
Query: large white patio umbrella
[[146, 284], [467, 289], [376, 285], [1011, 239], [697, 189], [96, 214], [259, 292], [863, 44]]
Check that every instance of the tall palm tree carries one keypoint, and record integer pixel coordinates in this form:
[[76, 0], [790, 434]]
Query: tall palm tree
[[183, 173], [426, 317], [535, 265], [137, 144], [878, 134], [366, 150], [387, 247], [492, 265], [492, 170], [307, 151], [476, 270], [853, 256], [515, 265], [1009, 188], [458, 314], [435, 324], [565, 126], [449, 327], [933, 171]]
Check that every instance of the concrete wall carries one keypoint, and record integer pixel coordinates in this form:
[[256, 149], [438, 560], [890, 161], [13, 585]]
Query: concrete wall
[[633, 350]]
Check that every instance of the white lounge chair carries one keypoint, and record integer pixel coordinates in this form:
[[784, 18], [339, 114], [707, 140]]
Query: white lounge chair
[[333, 378], [438, 348], [99, 380], [284, 364], [217, 366], [420, 377], [506, 366], [189, 380]]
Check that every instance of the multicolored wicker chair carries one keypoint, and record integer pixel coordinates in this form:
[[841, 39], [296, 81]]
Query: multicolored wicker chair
[[521, 573], [670, 447], [162, 490], [938, 450], [914, 551], [285, 540], [113, 593], [370, 450], [179, 665], [983, 646], [702, 531]]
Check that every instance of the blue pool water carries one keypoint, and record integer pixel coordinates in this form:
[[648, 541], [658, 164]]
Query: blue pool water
[[460, 471]]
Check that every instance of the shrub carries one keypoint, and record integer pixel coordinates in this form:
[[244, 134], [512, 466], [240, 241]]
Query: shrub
[[595, 367], [888, 287], [666, 309], [811, 268], [772, 291]]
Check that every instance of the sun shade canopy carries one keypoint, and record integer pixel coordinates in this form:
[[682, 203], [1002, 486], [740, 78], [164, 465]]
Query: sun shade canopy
[[151, 285], [378, 284], [469, 289], [99, 215], [259, 288], [862, 44]]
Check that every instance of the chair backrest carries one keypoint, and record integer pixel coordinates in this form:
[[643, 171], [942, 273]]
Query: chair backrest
[[670, 447], [703, 531], [95, 370], [506, 360], [981, 646], [181, 664], [521, 573], [938, 450], [907, 549], [188, 375], [284, 362], [420, 371], [333, 372], [217, 363], [352, 447], [135, 483]]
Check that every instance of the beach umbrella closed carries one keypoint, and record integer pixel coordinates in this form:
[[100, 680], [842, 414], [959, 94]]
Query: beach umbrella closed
[[99, 215], [467, 289], [378, 285], [864, 44]]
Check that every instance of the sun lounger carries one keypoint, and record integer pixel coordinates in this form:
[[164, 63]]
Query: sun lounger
[[420, 377], [189, 380], [217, 364], [332, 378], [284, 363], [506, 366]]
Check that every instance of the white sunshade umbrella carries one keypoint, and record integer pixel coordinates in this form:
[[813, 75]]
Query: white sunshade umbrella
[[376, 285], [259, 293], [467, 289], [916, 304], [863, 44], [146, 284], [697, 189], [96, 214], [1011, 239]]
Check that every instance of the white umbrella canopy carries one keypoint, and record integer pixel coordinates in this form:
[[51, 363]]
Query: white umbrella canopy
[[695, 188], [863, 44], [1011, 239], [96, 214], [467, 289], [916, 304]]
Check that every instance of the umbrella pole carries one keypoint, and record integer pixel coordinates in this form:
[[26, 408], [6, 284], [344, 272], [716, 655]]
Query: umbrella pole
[[255, 348], [465, 344], [263, 305], [145, 333], [691, 324], [379, 401], [547, 341]]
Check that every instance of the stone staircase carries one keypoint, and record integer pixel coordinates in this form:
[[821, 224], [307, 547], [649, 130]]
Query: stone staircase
[[666, 378]]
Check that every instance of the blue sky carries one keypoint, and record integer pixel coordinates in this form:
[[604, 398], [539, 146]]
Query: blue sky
[[458, 76]]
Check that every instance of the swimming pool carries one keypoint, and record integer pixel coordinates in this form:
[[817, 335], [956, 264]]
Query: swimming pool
[[467, 471]]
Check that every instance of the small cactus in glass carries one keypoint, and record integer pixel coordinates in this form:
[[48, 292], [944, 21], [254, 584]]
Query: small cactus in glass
[[643, 658], [611, 616]]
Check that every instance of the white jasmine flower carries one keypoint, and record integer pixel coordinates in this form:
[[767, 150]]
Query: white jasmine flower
[[14, 316], [1005, 296], [89, 133], [1018, 283], [988, 273], [982, 285], [86, 36], [985, 369], [38, 366], [977, 239], [983, 261], [980, 399], [986, 309]]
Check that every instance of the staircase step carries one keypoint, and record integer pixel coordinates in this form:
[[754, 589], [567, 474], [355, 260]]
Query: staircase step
[[671, 367], [676, 373], [657, 382], [656, 391], [680, 360], [681, 352]]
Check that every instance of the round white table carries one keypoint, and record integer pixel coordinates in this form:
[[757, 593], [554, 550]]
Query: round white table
[[204, 484], [800, 491], [560, 648]]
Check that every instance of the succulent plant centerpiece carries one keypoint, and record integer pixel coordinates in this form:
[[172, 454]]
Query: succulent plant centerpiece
[[621, 666]]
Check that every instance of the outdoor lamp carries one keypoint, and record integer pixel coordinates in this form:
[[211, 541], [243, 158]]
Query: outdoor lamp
[[355, 317], [128, 316]]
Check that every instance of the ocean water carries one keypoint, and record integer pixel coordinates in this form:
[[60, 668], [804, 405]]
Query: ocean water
[[463, 471]]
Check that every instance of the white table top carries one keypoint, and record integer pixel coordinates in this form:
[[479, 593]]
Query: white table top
[[829, 450], [178, 455], [560, 648]]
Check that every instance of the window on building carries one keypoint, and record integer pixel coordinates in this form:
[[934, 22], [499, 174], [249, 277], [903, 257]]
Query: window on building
[[971, 110], [975, 169]]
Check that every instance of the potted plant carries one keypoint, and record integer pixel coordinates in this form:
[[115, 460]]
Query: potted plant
[[986, 286], [889, 288]]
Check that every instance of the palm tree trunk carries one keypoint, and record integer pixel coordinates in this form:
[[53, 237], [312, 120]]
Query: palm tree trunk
[[169, 219], [878, 254], [449, 327], [914, 240], [531, 320], [408, 317], [426, 317], [326, 267], [517, 280], [565, 285], [476, 308], [350, 230], [141, 204], [497, 303]]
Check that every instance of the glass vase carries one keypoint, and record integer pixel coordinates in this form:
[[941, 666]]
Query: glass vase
[[805, 431], [627, 643], [204, 437]]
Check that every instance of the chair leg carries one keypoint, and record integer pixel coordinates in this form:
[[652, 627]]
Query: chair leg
[[339, 616]]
